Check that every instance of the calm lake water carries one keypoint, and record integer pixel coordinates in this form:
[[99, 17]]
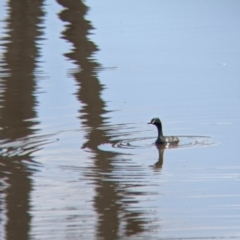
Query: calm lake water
[[79, 80]]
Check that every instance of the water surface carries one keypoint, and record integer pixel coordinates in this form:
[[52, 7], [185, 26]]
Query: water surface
[[79, 81]]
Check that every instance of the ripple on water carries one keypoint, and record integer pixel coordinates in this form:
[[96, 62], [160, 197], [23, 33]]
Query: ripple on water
[[24, 146], [147, 142]]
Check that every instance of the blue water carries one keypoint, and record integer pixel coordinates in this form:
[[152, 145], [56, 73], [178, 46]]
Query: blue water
[[78, 83]]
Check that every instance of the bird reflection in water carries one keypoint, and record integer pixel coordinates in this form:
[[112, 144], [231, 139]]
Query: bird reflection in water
[[161, 148]]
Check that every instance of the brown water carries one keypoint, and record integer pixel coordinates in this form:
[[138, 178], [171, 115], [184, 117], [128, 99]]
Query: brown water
[[79, 80]]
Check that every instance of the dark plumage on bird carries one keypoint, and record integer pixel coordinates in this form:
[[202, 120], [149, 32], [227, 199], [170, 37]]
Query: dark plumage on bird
[[161, 139]]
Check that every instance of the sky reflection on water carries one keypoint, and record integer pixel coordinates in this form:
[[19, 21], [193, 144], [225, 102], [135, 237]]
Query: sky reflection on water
[[78, 83]]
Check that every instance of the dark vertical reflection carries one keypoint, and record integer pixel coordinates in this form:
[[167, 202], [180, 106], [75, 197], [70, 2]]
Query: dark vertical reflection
[[108, 199], [17, 111], [158, 165]]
